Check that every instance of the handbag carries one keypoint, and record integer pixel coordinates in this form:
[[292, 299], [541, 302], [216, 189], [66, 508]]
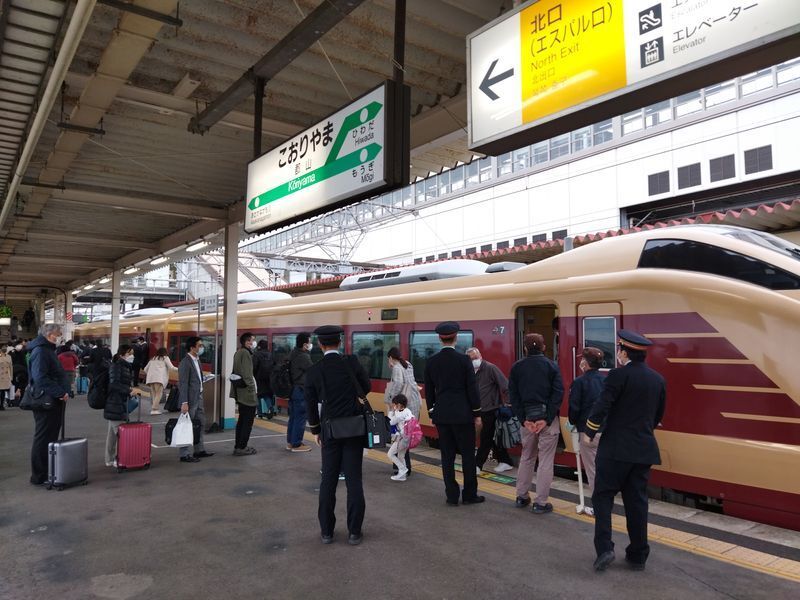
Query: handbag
[[34, 399], [507, 432], [170, 427], [182, 434]]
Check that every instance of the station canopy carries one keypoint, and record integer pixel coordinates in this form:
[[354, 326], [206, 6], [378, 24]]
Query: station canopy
[[116, 179]]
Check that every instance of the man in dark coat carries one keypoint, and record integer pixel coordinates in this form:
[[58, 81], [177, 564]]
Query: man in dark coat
[[99, 358], [632, 405], [46, 375], [335, 381], [454, 405]]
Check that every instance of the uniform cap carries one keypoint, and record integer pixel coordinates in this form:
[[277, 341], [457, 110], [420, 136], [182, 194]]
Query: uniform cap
[[447, 328], [633, 340], [329, 334]]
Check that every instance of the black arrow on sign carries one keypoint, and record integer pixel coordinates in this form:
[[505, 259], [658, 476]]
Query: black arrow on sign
[[489, 81]]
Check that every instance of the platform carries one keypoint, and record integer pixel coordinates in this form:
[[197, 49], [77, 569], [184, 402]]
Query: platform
[[246, 527]]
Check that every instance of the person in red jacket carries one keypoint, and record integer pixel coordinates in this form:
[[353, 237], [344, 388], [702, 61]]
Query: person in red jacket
[[69, 362]]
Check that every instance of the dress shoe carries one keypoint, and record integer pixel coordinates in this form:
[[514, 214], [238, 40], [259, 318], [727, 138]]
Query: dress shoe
[[354, 539], [540, 509], [203, 454], [189, 459], [474, 500], [451, 502], [601, 562], [634, 566], [522, 502], [326, 539]]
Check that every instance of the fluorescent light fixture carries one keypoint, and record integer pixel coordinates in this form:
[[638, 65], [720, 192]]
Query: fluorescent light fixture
[[131, 270], [88, 287], [105, 280], [196, 246], [75, 292], [158, 261]]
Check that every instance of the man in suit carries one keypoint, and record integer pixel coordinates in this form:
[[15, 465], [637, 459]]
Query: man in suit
[[337, 382], [190, 396], [632, 404], [454, 405]]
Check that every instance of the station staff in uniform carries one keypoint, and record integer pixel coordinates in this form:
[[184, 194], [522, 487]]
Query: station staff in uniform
[[632, 405], [332, 382], [454, 405]]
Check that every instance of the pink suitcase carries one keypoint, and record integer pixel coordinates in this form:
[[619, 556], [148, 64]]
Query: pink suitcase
[[133, 445]]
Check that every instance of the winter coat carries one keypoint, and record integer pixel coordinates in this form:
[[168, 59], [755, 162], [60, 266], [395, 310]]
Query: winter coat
[[6, 371], [120, 382], [158, 370], [403, 382], [45, 370], [243, 367], [69, 361], [300, 362], [262, 369]]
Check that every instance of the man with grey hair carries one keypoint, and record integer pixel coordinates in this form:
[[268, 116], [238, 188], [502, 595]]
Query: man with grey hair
[[493, 392], [46, 375]]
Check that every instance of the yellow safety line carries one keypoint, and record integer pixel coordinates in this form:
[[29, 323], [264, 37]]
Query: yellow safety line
[[768, 418], [738, 388], [681, 540], [711, 361]]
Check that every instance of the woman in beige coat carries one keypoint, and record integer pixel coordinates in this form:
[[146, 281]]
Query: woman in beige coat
[[158, 370], [6, 371]]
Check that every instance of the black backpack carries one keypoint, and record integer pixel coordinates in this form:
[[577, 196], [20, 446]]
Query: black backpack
[[280, 380], [98, 387]]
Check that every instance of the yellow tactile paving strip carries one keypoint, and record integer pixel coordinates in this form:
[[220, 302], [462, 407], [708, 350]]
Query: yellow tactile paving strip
[[689, 542]]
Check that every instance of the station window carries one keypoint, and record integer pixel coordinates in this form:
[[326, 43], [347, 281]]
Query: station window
[[788, 71], [758, 159], [371, 347], [424, 344], [559, 234], [520, 241], [444, 182], [431, 187], [471, 250], [419, 192], [658, 183], [486, 248], [601, 333], [540, 153], [559, 146], [539, 237], [502, 245], [581, 139], [442, 255], [457, 179], [632, 122], [417, 261], [723, 167], [720, 93], [485, 165], [473, 173], [756, 82], [521, 157], [455, 253], [656, 114], [689, 176], [602, 132], [689, 103], [430, 258], [695, 256], [504, 165]]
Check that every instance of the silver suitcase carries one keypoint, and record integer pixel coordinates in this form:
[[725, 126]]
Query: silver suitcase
[[68, 462]]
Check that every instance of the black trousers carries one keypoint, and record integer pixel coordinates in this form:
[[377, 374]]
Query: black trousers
[[244, 425], [341, 456], [458, 439], [631, 479], [48, 425], [488, 419]]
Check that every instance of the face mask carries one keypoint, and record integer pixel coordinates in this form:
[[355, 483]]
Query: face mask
[[129, 358], [307, 347], [476, 363], [201, 350], [251, 345], [18, 347]]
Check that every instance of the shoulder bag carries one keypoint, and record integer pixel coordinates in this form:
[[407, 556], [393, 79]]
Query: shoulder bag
[[35, 399]]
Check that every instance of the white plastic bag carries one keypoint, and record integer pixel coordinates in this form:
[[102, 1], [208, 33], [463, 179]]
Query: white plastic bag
[[182, 435]]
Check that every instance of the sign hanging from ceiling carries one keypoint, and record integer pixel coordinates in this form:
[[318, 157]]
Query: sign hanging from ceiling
[[356, 152], [551, 59]]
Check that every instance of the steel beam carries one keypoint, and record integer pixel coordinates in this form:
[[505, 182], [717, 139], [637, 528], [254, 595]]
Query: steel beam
[[316, 24], [172, 207], [59, 261], [143, 12], [81, 239]]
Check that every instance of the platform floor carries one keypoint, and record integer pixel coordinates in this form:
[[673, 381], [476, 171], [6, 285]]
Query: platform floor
[[246, 527]]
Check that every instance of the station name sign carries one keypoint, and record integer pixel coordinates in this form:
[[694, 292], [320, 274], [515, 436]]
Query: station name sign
[[358, 151], [552, 66]]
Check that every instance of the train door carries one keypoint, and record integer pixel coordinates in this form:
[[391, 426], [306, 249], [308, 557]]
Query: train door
[[543, 319]]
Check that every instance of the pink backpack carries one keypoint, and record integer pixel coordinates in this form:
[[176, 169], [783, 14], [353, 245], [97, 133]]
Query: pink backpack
[[413, 432]]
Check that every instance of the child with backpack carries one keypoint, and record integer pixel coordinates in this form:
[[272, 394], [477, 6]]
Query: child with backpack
[[399, 416]]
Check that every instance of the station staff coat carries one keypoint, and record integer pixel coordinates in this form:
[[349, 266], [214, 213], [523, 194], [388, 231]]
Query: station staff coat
[[451, 389], [632, 405], [329, 383]]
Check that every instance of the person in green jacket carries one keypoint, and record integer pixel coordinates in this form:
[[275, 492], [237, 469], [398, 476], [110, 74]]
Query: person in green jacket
[[243, 390]]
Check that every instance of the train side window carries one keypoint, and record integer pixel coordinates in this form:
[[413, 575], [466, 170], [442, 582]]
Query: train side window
[[371, 347], [282, 344], [316, 353], [689, 255], [601, 333], [424, 344]]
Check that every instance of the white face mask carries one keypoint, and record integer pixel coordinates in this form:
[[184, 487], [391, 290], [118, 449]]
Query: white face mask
[[201, 350], [476, 363], [129, 358], [18, 347], [307, 347]]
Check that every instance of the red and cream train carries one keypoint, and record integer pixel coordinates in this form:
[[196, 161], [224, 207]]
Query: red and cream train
[[721, 304]]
